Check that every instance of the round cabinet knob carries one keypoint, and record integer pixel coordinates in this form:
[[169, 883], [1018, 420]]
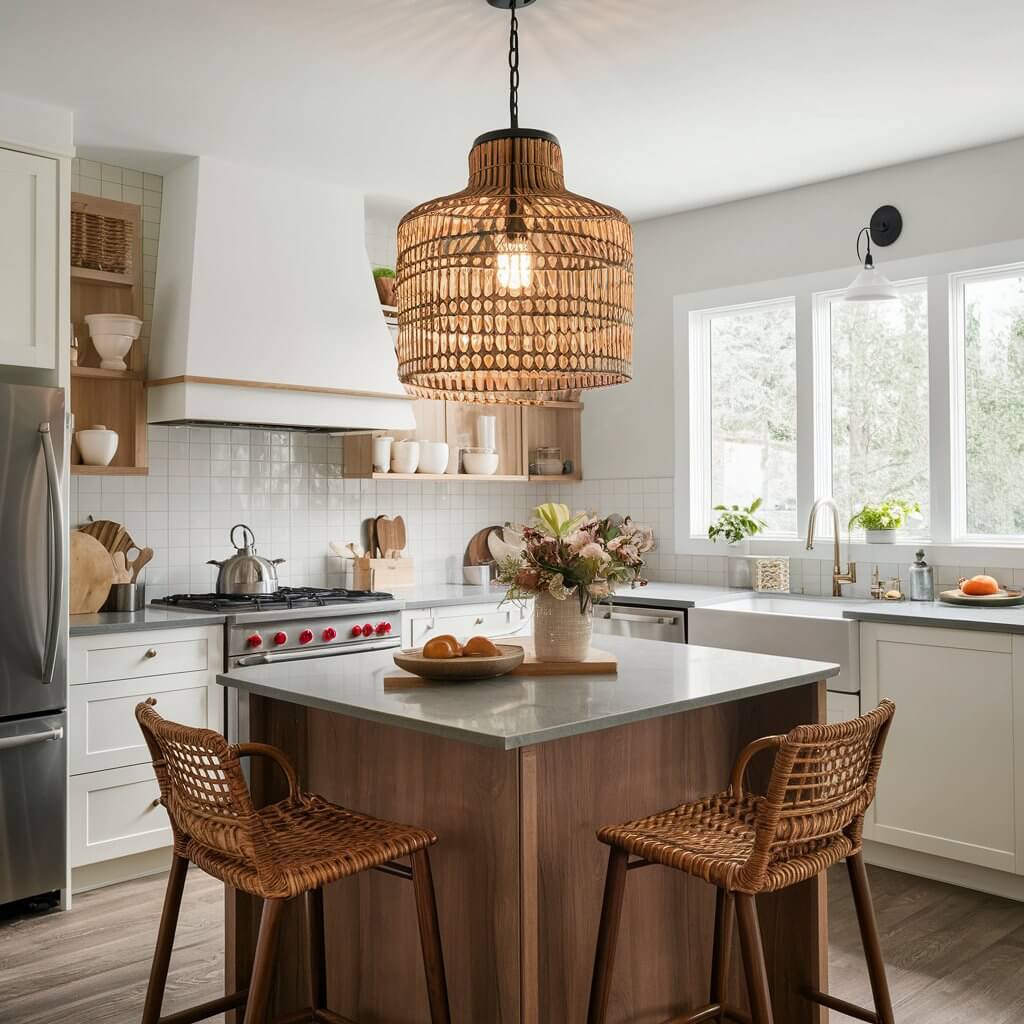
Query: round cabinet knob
[[306, 636], [357, 630], [151, 653], [329, 634], [367, 630], [280, 637], [254, 641]]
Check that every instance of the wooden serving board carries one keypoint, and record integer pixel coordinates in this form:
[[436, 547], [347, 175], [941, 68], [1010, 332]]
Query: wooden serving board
[[596, 663], [92, 573], [1000, 599]]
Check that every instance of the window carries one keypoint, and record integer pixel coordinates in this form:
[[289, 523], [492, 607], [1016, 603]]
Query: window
[[989, 333], [877, 380], [743, 416]]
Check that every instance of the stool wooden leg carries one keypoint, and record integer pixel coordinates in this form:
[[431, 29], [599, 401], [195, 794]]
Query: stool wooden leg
[[165, 940], [263, 962], [430, 938], [869, 938], [753, 959], [316, 950], [607, 935], [722, 946]]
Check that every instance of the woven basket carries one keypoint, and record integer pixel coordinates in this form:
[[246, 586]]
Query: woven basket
[[102, 243]]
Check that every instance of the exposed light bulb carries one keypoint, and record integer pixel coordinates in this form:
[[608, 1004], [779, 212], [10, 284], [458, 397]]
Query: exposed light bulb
[[515, 262]]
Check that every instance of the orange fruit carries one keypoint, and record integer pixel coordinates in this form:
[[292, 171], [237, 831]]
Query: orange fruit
[[442, 647], [480, 646], [979, 586]]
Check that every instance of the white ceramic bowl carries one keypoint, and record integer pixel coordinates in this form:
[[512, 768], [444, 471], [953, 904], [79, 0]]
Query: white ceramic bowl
[[405, 456], [480, 463], [112, 336], [97, 444], [433, 457]]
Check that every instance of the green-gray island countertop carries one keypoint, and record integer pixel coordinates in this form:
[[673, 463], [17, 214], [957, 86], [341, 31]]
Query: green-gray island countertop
[[515, 775]]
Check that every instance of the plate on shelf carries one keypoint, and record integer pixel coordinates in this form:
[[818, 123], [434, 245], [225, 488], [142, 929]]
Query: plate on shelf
[[1000, 599], [467, 668]]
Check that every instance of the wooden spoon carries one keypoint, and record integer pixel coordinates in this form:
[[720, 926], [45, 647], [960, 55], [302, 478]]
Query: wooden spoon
[[143, 559], [399, 539]]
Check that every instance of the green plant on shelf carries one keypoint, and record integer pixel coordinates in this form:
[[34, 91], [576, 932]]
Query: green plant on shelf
[[736, 522]]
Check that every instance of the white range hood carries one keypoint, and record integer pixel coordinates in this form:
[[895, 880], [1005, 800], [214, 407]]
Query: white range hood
[[265, 312]]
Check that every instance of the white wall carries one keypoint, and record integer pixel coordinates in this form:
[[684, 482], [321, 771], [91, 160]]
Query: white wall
[[952, 202], [36, 125]]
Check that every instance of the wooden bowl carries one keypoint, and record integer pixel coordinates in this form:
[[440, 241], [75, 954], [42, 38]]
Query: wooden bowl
[[463, 669]]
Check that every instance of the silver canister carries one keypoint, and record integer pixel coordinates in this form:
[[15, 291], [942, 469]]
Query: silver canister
[[126, 597], [922, 579]]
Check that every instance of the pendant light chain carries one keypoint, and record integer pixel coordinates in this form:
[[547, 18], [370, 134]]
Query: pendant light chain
[[513, 69]]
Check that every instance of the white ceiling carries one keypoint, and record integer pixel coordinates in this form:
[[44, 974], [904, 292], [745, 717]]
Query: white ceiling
[[660, 105]]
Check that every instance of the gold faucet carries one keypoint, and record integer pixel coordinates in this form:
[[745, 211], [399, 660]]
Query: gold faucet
[[838, 576]]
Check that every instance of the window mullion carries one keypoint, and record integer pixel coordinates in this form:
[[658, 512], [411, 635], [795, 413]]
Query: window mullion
[[808, 440], [943, 401]]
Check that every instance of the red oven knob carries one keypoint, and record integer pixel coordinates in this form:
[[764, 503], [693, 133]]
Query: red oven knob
[[254, 641], [329, 634], [357, 630], [383, 628], [306, 636], [280, 637], [367, 630]]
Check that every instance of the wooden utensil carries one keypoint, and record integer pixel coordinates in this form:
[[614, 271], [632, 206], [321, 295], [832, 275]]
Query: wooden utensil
[[122, 574], [400, 536], [477, 550], [113, 536], [371, 537], [92, 573], [390, 536], [144, 557]]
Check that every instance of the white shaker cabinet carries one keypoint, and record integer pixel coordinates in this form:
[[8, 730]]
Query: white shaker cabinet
[[29, 263], [948, 785]]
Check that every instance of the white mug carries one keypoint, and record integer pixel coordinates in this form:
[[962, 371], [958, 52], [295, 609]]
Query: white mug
[[382, 454]]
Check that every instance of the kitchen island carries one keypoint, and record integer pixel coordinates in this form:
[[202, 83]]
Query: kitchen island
[[515, 775]]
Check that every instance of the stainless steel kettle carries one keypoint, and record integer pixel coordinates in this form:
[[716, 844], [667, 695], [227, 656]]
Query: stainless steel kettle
[[245, 572]]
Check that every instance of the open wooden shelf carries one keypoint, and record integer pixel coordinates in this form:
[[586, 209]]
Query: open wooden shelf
[[450, 478], [560, 478], [115, 398]]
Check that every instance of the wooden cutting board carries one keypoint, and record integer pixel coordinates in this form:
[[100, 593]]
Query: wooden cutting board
[[596, 663], [92, 573], [477, 551], [113, 536], [390, 535]]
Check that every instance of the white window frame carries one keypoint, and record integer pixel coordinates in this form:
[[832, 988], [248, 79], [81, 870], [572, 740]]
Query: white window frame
[[701, 384], [958, 404], [947, 543], [824, 456]]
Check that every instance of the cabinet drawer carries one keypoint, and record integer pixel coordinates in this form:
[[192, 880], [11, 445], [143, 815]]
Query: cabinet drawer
[[146, 660], [115, 813], [488, 620], [104, 732]]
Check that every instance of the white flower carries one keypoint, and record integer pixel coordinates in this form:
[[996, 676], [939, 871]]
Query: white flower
[[595, 551]]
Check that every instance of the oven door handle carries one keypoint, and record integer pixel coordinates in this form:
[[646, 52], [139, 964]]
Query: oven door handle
[[30, 738], [270, 658], [655, 620]]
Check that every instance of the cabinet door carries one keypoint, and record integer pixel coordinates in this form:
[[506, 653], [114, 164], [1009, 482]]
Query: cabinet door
[[947, 782], [28, 260]]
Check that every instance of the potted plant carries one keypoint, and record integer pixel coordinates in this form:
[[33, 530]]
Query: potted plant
[[566, 563], [735, 525], [880, 522], [384, 279]]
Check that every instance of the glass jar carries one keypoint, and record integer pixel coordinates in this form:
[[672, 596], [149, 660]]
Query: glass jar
[[546, 461]]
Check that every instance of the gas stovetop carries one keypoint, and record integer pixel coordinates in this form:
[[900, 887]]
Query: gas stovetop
[[283, 600]]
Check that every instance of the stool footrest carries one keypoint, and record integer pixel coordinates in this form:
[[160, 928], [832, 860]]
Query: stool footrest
[[713, 1011], [206, 1010], [842, 1006], [311, 1016]]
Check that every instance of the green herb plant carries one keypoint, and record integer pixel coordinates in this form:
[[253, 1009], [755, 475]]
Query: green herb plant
[[889, 515], [736, 523]]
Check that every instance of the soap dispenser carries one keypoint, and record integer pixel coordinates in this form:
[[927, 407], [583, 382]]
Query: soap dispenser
[[922, 580]]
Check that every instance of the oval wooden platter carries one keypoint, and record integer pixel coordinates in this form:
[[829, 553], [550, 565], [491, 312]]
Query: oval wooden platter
[[465, 669], [1000, 599]]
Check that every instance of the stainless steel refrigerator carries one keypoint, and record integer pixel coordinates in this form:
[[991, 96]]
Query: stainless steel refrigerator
[[33, 643]]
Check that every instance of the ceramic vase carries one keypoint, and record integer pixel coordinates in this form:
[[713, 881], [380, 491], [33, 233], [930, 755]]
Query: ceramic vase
[[880, 536], [561, 632], [739, 569]]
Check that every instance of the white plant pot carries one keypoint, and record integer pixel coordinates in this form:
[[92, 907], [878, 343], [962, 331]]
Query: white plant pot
[[433, 457], [97, 444], [880, 536], [561, 632], [112, 336]]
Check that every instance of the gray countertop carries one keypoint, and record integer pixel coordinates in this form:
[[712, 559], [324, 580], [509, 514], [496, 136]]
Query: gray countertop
[[653, 679], [675, 595], [147, 618], [938, 613], [437, 595]]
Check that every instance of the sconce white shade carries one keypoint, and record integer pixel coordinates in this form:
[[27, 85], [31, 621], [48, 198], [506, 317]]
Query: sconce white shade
[[871, 286]]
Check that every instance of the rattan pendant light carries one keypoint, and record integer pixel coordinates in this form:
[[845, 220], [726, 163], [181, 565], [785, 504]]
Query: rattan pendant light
[[514, 289]]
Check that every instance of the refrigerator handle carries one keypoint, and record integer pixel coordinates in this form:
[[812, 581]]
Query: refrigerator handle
[[54, 604]]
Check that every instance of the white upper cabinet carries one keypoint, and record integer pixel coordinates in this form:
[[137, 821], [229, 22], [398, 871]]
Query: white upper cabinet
[[29, 205]]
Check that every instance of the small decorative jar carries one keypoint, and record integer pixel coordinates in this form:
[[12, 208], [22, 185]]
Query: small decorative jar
[[561, 631]]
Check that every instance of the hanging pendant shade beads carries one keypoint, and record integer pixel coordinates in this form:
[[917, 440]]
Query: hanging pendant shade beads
[[514, 290]]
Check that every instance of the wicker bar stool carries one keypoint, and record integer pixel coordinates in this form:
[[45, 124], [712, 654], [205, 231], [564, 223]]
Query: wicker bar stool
[[287, 849], [811, 817]]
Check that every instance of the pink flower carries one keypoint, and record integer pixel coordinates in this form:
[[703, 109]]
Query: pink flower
[[595, 551]]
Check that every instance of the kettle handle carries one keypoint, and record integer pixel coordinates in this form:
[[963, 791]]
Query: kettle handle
[[251, 543]]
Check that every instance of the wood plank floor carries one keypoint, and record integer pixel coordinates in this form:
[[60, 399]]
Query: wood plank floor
[[954, 956]]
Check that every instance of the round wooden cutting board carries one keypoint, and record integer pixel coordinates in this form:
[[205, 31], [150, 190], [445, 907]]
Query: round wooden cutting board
[[92, 573], [1000, 599]]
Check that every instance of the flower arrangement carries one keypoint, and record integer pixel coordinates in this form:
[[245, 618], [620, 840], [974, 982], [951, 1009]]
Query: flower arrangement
[[889, 515], [736, 523], [576, 555]]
